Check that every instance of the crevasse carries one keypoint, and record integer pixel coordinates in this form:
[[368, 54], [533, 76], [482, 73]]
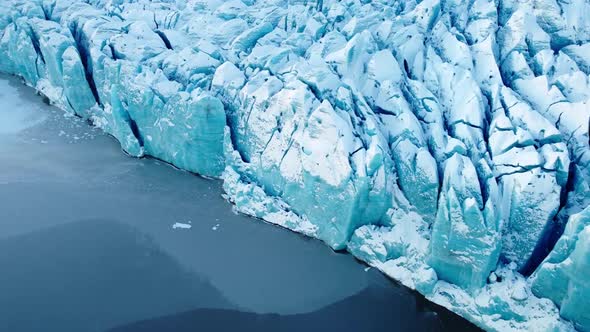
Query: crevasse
[[443, 142]]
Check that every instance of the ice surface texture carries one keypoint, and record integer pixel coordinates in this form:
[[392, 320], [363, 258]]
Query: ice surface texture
[[444, 142]]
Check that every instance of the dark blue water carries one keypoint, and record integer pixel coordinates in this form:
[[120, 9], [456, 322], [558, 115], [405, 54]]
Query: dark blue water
[[87, 244]]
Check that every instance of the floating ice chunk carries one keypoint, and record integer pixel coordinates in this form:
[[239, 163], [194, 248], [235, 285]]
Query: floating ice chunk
[[180, 225]]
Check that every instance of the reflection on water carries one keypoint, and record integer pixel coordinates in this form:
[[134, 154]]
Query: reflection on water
[[367, 311], [87, 244], [91, 275]]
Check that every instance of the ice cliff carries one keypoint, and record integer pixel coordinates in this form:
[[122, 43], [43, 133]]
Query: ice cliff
[[443, 142]]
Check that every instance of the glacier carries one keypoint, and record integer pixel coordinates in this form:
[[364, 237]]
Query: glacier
[[443, 142]]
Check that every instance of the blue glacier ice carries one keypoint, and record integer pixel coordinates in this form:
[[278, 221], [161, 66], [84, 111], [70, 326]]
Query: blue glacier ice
[[562, 275], [465, 243], [444, 142]]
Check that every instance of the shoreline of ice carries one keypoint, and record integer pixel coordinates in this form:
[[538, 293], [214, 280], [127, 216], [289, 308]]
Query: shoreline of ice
[[465, 306]]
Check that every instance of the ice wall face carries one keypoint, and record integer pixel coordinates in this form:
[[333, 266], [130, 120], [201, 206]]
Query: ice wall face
[[123, 76], [562, 275], [465, 241], [444, 142]]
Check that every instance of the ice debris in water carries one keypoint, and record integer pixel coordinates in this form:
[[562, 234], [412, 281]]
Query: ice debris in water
[[180, 225], [444, 142]]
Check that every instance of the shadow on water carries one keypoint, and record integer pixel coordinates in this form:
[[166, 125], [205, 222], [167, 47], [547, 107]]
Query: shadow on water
[[98, 275], [92, 275], [370, 310]]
